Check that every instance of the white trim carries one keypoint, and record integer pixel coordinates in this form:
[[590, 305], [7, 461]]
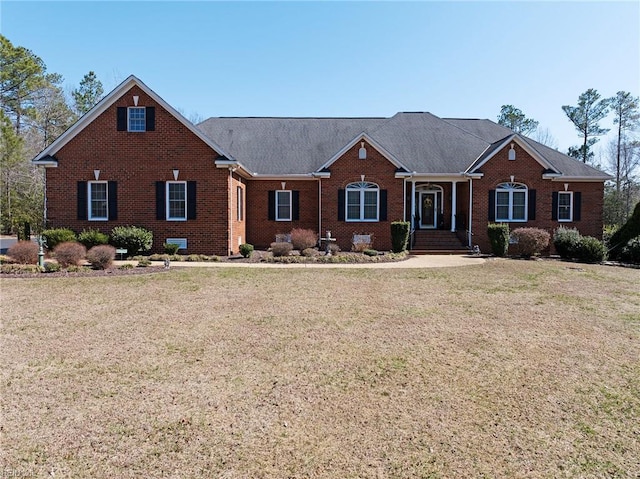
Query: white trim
[[362, 136], [436, 212], [290, 218], [581, 179], [361, 189], [144, 119], [181, 242], [240, 203], [109, 100], [296, 176], [570, 219], [515, 138], [90, 184], [511, 190], [175, 218]]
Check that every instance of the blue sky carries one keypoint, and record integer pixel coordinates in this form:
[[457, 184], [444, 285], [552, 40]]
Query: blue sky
[[454, 59]]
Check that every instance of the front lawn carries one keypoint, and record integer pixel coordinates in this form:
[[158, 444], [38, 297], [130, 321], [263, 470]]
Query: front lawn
[[506, 369]]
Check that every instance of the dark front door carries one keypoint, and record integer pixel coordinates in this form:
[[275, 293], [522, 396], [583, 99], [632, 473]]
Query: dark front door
[[429, 209]]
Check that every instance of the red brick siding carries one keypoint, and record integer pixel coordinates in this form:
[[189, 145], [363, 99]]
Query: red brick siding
[[238, 226], [136, 161], [348, 169], [261, 231], [528, 171]]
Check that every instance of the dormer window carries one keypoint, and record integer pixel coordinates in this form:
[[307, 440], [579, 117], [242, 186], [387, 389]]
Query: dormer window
[[137, 118]]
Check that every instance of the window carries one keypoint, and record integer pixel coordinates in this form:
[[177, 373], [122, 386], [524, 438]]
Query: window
[[362, 200], [283, 205], [240, 203], [137, 119], [565, 203], [511, 202], [181, 242], [98, 201], [176, 200]]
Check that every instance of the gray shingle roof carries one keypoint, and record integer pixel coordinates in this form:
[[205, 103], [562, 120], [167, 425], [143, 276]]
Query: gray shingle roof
[[422, 142]]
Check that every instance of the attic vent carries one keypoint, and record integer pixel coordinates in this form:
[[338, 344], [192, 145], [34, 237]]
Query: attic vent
[[362, 152], [512, 153]]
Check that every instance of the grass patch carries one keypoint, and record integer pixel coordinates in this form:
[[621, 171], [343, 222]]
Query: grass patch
[[506, 369]]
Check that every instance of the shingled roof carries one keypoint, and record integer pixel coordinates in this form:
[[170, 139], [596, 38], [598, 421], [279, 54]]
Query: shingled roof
[[421, 142]]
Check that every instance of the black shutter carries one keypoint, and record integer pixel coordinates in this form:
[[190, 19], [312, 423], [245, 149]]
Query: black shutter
[[113, 200], [82, 200], [341, 200], [160, 201], [532, 205], [295, 205], [383, 205], [150, 117], [272, 205], [191, 200], [577, 205], [554, 206], [122, 118], [492, 205]]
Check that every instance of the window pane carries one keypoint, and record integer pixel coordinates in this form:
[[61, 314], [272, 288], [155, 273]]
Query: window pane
[[502, 212], [137, 119], [370, 205], [177, 200], [502, 198], [353, 205], [98, 200], [519, 199], [283, 201]]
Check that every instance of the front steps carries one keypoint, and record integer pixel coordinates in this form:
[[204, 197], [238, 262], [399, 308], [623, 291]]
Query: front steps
[[437, 242]]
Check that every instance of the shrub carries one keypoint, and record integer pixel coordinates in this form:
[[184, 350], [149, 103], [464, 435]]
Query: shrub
[[499, 238], [170, 248], [126, 266], [399, 235], [627, 231], [24, 252], [4, 259], [281, 249], [590, 250], [566, 241], [334, 248], [53, 237], [531, 241], [91, 238], [20, 268], [309, 252], [132, 238], [101, 256], [302, 239], [370, 252], [196, 258], [51, 267], [246, 249], [143, 263], [69, 253], [631, 251]]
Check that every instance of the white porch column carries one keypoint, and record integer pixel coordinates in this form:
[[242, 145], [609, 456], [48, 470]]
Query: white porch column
[[470, 215], [454, 204], [413, 204]]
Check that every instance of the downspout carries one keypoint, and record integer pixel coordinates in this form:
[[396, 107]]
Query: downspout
[[469, 233]]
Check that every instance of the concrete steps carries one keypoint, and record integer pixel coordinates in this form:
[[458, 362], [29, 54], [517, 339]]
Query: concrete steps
[[437, 242]]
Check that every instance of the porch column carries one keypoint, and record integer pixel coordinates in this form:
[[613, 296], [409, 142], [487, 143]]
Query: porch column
[[454, 205], [413, 205]]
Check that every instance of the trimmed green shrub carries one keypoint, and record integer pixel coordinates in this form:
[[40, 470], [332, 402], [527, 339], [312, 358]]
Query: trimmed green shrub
[[281, 249], [531, 241], [499, 238], [590, 250], [53, 237], [132, 238], [90, 238], [20, 268], [399, 235], [246, 249], [170, 248], [101, 256], [69, 253], [370, 252], [24, 252], [631, 252], [566, 241], [627, 231], [302, 239]]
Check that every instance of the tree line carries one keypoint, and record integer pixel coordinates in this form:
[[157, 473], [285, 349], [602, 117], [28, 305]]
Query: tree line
[[621, 157]]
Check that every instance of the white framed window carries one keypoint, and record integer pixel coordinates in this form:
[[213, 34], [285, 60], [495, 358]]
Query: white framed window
[[176, 200], [283, 205], [98, 201], [565, 206], [362, 201], [137, 120], [511, 202], [240, 203]]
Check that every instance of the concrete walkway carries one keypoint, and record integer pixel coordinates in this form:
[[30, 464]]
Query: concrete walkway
[[418, 261]]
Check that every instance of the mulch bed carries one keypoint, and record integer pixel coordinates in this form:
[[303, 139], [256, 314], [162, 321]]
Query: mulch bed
[[110, 272]]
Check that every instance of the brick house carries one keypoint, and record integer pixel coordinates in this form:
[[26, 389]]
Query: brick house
[[134, 160]]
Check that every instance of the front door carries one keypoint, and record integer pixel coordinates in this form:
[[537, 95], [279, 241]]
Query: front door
[[429, 209]]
